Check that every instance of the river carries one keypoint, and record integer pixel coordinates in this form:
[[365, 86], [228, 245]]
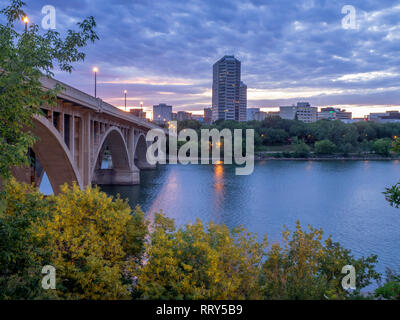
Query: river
[[344, 198]]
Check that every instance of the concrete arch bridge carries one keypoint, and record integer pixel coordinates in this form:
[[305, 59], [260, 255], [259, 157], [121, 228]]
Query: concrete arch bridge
[[76, 135]]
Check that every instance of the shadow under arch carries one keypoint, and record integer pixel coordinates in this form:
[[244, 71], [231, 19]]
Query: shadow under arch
[[121, 172], [140, 159], [54, 155]]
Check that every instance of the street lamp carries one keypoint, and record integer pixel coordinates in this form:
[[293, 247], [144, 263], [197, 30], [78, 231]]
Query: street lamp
[[125, 92], [25, 20], [95, 70]]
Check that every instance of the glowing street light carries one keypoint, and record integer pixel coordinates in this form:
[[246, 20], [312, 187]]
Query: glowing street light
[[95, 70], [125, 92], [25, 20]]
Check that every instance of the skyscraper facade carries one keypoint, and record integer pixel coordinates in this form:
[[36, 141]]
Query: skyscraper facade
[[242, 102], [226, 90]]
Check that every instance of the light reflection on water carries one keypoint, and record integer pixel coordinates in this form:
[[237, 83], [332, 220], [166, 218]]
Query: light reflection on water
[[344, 198]]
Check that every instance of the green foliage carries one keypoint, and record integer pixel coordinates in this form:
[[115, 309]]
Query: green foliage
[[324, 147], [392, 195], [391, 289], [274, 131], [200, 262], [94, 241], [301, 150], [22, 252], [306, 267], [24, 58], [382, 146], [101, 250]]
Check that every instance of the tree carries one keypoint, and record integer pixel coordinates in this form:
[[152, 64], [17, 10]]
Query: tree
[[96, 241], [200, 262], [324, 147], [24, 58], [275, 136], [306, 267], [22, 252], [382, 146], [301, 150], [391, 288]]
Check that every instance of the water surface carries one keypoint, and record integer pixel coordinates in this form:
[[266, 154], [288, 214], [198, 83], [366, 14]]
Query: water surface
[[344, 198]]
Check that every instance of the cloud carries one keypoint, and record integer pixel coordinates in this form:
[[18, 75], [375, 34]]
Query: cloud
[[163, 50]]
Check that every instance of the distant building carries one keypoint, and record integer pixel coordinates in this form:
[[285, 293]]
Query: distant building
[[303, 111], [306, 113], [173, 116], [375, 116], [242, 102], [272, 114], [198, 117], [251, 112], [138, 112], [162, 113], [387, 117], [183, 115], [260, 116], [334, 114], [226, 89], [207, 115], [288, 112]]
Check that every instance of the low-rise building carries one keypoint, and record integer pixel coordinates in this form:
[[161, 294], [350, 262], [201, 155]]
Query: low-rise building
[[260, 116], [387, 117], [138, 112], [208, 115], [198, 117], [251, 113], [288, 112], [334, 114], [183, 115], [162, 113], [303, 111]]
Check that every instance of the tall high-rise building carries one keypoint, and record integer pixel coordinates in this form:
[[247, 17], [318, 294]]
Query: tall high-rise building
[[242, 102], [162, 113], [226, 90]]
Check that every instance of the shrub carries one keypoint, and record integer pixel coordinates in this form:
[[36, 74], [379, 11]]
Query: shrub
[[301, 150], [324, 147], [382, 146]]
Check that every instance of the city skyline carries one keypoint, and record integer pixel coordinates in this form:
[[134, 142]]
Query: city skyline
[[299, 53]]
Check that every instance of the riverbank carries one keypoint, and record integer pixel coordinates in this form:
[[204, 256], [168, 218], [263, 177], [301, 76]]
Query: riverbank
[[281, 156]]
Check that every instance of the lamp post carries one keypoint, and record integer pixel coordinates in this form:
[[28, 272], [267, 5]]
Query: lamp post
[[26, 20], [125, 92], [95, 70]]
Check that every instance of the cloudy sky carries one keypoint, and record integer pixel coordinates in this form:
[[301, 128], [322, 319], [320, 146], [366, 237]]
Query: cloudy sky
[[163, 50]]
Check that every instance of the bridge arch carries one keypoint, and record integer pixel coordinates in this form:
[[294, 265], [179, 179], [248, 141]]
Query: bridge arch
[[58, 163], [121, 171], [140, 159]]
